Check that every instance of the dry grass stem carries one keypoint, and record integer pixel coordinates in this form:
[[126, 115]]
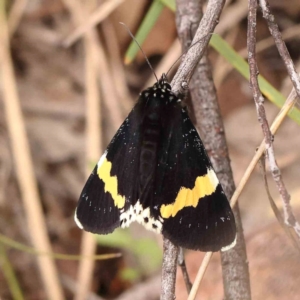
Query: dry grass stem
[[96, 17], [200, 275], [117, 66], [24, 165]]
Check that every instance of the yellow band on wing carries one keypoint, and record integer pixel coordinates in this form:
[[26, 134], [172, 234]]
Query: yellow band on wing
[[110, 183], [204, 186]]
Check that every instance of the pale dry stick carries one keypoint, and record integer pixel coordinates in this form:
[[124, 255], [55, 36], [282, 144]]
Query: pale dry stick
[[93, 152], [15, 15], [199, 276], [116, 64], [290, 102], [24, 166], [88, 243], [96, 17]]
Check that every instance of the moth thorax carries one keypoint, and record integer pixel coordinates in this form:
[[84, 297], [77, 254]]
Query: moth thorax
[[148, 154]]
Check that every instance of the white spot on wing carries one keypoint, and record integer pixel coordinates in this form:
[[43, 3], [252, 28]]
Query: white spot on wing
[[213, 177], [77, 221], [140, 215], [229, 246], [102, 158]]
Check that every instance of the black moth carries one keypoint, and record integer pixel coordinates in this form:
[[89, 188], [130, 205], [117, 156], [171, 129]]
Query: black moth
[[156, 171]]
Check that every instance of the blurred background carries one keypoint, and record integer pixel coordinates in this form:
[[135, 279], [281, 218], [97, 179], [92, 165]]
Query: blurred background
[[74, 90]]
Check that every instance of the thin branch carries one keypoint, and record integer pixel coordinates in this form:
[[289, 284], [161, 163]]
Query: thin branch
[[209, 121], [259, 102], [288, 230], [280, 44], [169, 267], [185, 274], [202, 36], [184, 73]]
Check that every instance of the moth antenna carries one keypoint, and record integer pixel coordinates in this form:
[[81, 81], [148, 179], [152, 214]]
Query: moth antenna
[[146, 58], [185, 52]]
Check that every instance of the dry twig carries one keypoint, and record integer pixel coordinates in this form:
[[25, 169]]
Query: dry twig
[[185, 274], [289, 103], [285, 227], [259, 100], [209, 121], [276, 124], [184, 73], [202, 36]]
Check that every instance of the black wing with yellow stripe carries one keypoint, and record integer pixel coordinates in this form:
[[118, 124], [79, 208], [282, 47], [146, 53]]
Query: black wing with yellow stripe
[[196, 213], [156, 172], [112, 187]]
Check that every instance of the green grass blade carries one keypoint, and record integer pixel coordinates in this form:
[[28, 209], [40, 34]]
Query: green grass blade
[[19, 246], [238, 62], [170, 4], [143, 31], [10, 275]]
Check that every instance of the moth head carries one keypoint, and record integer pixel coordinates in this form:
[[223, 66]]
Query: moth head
[[163, 83]]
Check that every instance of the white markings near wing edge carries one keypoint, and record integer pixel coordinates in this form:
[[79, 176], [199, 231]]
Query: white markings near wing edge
[[101, 160], [226, 248], [142, 216], [77, 221]]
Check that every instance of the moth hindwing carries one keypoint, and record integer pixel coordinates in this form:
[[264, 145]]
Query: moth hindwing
[[156, 171]]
